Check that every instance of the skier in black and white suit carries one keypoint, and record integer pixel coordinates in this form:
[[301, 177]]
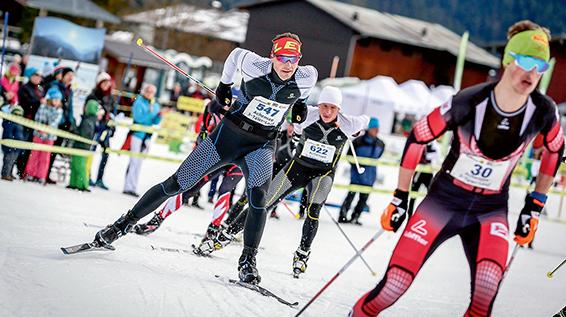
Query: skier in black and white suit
[[324, 135], [270, 88]]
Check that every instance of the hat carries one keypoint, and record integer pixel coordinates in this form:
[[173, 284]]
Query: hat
[[53, 93], [92, 107], [30, 71], [373, 123], [17, 110], [286, 46], [102, 77], [331, 95], [14, 69], [532, 43]]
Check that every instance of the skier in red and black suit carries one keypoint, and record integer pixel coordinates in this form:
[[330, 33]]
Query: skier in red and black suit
[[492, 125]]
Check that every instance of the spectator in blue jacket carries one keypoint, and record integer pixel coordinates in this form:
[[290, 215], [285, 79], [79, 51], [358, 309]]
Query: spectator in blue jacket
[[11, 131], [146, 112], [370, 146]]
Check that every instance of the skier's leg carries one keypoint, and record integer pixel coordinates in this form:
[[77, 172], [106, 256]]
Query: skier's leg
[[486, 248], [231, 179], [425, 231]]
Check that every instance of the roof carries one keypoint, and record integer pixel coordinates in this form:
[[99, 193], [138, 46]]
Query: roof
[[78, 8], [122, 51], [227, 25], [400, 29]]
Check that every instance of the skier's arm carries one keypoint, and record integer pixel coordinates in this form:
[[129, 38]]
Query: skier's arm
[[553, 141]]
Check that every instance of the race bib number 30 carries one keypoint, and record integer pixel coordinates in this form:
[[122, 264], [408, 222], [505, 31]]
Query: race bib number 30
[[480, 172], [318, 151], [265, 112]]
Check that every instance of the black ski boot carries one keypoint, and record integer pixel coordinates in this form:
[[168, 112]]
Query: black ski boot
[[247, 266], [223, 239], [206, 245], [300, 259], [149, 227], [114, 231]]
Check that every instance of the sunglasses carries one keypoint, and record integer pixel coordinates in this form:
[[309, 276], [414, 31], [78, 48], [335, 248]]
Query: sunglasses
[[527, 63], [285, 58]]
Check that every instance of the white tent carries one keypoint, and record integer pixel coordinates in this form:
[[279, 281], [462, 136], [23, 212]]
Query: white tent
[[443, 93], [420, 94]]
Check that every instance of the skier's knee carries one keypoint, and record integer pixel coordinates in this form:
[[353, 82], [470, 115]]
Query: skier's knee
[[171, 186]]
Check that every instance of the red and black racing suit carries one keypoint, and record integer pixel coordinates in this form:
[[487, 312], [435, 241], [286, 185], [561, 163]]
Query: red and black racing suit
[[466, 198]]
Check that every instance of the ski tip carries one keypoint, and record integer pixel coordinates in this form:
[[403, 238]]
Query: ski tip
[[64, 251]]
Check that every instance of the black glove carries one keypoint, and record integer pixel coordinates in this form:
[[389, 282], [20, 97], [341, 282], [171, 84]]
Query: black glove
[[224, 94], [393, 216], [299, 112], [528, 218]]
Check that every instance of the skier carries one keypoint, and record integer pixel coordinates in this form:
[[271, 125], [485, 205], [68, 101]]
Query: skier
[[326, 131], [270, 88], [492, 123]]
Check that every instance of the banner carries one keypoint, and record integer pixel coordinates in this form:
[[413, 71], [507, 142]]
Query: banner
[[190, 104]]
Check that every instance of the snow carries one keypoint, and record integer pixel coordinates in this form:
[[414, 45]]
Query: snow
[[36, 279]]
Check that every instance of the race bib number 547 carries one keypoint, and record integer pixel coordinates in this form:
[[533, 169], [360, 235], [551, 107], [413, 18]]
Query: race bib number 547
[[265, 112], [480, 172]]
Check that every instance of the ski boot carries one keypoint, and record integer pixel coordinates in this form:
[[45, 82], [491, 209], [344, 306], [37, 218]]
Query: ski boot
[[206, 245], [300, 258], [223, 239], [147, 228], [274, 214], [247, 266], [111, 233]]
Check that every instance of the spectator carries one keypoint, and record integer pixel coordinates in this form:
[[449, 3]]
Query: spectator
[[367, 145], [66, 75], [102, 94], [175, 93], [12, 131], [87, 129], [30, 97], [10, 84], [146, 112], [50, 113]]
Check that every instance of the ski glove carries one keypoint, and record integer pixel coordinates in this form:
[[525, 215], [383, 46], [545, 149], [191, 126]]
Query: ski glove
[[224, 94], [528, 218], [393, 216], [299, 112]]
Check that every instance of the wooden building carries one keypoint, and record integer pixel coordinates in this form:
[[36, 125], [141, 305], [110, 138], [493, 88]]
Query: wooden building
[[367, 42]]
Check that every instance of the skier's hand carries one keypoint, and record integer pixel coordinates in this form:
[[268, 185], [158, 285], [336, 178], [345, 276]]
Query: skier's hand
[[224, 94], [299, 112], [528, 218], [393, 216]]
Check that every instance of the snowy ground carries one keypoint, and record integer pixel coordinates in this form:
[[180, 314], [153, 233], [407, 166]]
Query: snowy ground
[[36, 279]]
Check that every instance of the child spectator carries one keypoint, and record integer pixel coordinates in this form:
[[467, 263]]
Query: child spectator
[[13, 131], [50, 114], [11, 84], [79, 171]]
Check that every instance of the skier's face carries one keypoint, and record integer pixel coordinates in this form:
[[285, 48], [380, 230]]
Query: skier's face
[[328, 112], [284, 69], [522, 82]]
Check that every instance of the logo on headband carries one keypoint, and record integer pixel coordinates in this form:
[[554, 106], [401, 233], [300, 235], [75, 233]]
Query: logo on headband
[[286, 46], [540, 39]]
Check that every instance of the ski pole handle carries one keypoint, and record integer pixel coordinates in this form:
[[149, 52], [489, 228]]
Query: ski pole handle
[[378, 233]]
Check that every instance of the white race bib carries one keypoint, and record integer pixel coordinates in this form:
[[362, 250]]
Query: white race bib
[[318, 151], [480, 172], [265, 112]]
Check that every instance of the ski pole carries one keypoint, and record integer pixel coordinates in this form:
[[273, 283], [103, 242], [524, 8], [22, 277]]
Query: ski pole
[[551, 273], [140, 43], [360, 169], [5, 35], [349, 241], [377, 234], [515, 249], [289, 209]]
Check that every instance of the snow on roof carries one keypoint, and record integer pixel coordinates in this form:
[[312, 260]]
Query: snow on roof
[[227, 25], [78, 8]]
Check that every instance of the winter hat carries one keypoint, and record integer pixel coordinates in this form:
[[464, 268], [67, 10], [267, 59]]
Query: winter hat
[[92, 107], [102, 77], [14, 69], [532, 43], [30, 71], [17, 110], [53, 93], [331, 95], [373, 123]]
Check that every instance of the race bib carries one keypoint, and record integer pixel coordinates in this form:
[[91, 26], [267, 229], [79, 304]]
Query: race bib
[[318, 151], [265, 112], [479, 172]]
